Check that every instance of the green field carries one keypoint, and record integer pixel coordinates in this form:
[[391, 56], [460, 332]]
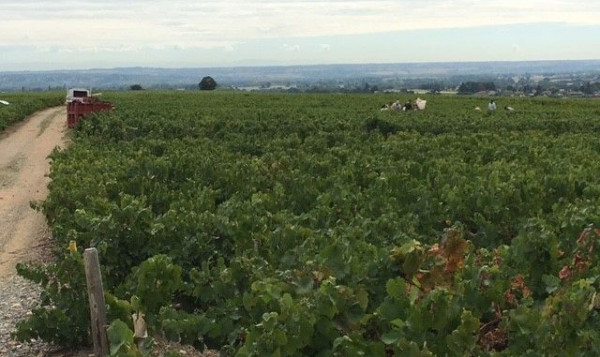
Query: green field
[[23, 104], [317, 225]]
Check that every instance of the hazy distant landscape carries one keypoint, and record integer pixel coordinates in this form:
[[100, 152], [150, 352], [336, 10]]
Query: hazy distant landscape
[[348, 77]]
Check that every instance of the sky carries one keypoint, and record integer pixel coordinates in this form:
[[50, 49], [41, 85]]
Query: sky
[[69, 34]]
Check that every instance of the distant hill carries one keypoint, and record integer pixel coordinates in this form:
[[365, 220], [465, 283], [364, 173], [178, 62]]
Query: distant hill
[[121, 78]]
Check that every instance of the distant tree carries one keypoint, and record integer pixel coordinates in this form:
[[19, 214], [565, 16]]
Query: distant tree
[[207, 83], [474, 87], [367, 88], [538, 90], [587, 88], [434, 87], [136, 87]]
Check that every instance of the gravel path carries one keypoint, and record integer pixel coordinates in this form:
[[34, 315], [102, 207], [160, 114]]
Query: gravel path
[[24, 236], [24, 165]]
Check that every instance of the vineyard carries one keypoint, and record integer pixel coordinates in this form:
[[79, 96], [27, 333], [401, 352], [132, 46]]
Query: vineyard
[[316, 225], [21, 105]]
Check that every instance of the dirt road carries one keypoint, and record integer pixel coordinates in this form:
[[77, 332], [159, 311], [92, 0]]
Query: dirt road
[[24, 165]]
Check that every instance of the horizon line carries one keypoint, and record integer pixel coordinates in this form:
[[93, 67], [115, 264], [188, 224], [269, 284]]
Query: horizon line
[[304, 65]]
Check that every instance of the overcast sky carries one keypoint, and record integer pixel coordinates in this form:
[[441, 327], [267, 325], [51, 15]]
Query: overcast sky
[[69, 34]]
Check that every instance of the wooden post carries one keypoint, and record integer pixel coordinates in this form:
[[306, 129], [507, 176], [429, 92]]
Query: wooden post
[[96, 298]]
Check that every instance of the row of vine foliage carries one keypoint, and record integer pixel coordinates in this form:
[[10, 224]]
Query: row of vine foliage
[[316, 225], [23, 104]]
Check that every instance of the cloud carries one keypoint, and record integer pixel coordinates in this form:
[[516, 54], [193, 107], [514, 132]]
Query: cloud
[[227, 22], [291, 48], [113, 26]]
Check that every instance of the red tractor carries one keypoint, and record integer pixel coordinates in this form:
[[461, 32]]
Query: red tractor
[[80, 103]]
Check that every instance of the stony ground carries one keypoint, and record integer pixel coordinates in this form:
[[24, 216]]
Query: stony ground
[[17, 298]]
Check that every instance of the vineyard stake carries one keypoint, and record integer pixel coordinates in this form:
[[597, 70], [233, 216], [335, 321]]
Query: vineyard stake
[[96, 299]]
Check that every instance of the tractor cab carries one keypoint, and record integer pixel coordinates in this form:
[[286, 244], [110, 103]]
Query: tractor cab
[[78, 95]]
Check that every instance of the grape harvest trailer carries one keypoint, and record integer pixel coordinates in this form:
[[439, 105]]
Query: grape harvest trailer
[[81, 103]]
